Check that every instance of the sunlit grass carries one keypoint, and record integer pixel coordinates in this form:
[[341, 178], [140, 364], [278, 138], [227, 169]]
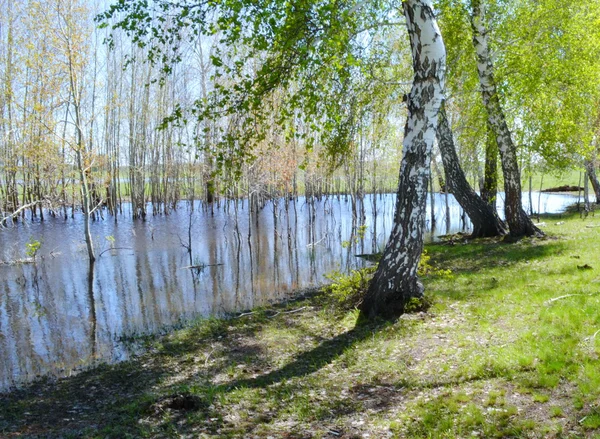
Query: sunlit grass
[[510, 348]]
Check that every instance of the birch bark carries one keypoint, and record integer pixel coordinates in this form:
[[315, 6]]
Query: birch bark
[[519, 223], [485, 220], [396, 282], [590, 168], [489, 190]]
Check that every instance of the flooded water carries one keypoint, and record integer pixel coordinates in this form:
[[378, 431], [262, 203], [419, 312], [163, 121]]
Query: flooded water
[[56, 316]]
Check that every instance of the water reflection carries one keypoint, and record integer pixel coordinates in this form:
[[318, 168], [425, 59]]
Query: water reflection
[[61, 313]]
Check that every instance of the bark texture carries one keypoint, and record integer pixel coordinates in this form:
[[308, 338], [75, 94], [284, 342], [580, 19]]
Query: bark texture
[[489, 190], [396, 282], [591, 172], [518, 222], [485, 220]]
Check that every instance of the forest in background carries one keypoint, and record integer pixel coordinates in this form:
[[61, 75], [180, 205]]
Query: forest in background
[[65, 92], [77, 110], [494, 334]]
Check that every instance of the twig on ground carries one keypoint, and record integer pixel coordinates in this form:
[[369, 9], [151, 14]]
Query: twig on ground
[[208, 357], [566, 296], [288, 312]]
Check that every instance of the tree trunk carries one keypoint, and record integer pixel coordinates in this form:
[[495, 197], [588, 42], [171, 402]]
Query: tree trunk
[[484, 218], [395, 283], [85, 204], [75, 92], [489, 191], [591, 172], [519, 223]]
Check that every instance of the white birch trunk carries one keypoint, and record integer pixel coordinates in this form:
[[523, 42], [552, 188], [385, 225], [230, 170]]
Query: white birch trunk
[[519, 223], [396, 281]]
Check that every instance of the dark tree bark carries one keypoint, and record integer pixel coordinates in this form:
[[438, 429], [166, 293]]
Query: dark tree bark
[[485, 220], [395, 283], [489, 191], [519, 223], [591, 172]]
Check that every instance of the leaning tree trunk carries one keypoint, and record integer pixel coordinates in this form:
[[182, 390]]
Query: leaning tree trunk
[[395, 283], [519, 223], [591, 172], [483, 216], [489, 191]]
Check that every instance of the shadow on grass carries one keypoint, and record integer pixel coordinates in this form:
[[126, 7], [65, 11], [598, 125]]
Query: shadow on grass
[[310, 361], [112, 395], [115, 400], [483, 254], [67, 407], [119, 397]]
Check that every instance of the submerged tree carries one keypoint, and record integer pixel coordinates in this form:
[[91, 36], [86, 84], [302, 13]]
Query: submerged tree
[[317, 51], [71, 34]]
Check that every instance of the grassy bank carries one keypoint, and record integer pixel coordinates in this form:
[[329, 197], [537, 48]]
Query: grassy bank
[[539, 180], [510, 348]]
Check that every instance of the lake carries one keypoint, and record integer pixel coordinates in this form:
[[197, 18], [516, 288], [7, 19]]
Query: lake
[[57, 318]]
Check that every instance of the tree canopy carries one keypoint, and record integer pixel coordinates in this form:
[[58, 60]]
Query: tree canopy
[[328, 61]]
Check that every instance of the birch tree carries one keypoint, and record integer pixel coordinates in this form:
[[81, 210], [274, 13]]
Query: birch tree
[[483, 215], [396, 282], [519, 223], [313, 50]]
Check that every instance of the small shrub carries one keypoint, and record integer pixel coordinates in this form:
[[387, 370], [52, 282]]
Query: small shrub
[[418, 304], [348, 290], [111, 241], [32, 247], [360, 235], [425, 268]]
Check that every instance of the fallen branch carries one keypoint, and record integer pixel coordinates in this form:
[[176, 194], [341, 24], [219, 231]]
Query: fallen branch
[[200, 266], [18, 261], [16, 212], [115, 248], [287, 312], [100, 204], [566, 296], [314, 244]]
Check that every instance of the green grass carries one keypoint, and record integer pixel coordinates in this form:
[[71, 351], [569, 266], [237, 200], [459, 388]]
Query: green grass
[[510, 348], [549, 180], [544, 180]]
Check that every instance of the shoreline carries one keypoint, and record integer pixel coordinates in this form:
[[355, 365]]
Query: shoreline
[[505, 350]]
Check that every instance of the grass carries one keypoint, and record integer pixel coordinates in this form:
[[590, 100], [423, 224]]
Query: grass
[[510, 348], [569, 177], [545, 180]]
